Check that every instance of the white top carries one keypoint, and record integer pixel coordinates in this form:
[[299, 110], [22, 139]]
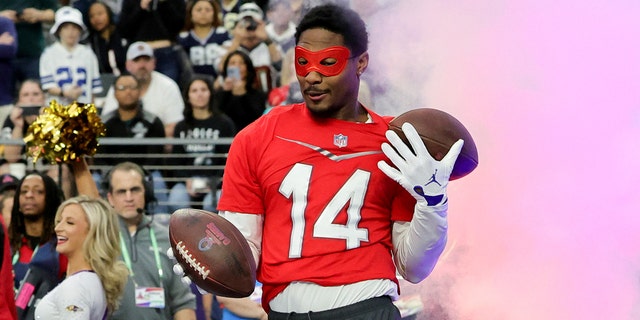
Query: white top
[[163, 99], [61, 67], [80, 296]]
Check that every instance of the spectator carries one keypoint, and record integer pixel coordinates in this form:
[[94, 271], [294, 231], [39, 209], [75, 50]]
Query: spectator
[[249, 36], [105, 40], [8, 185], [29, 17], [131, 120], [202, 120], [144, 246], [160, 95], [69, 70], [157, 23], [238, 97], [281, 28], [30, 102], [37, 266], [8, 50], [204, 36]]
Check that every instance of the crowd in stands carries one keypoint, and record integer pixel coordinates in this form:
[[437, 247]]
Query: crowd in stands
[[77, 50], [184, 69]]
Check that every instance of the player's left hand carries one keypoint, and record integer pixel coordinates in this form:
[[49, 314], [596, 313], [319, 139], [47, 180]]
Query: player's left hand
[[419, 173]]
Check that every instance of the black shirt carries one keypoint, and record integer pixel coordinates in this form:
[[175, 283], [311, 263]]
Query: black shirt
[[144, 125], [216, 126]]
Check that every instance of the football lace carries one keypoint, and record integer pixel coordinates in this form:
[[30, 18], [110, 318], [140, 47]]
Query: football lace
[[184, 252]]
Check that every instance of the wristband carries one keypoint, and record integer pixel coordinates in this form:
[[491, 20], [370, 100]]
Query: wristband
[[268, 41]]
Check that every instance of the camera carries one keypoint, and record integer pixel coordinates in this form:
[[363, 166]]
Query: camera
[[249, 23]]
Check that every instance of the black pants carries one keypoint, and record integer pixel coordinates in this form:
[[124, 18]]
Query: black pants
[[380, 308]]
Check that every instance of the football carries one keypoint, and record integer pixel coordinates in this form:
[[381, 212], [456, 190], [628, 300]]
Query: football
[[439, 131], [212, 252]]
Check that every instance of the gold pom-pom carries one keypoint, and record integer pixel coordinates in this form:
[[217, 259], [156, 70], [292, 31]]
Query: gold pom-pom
[[65, 133]]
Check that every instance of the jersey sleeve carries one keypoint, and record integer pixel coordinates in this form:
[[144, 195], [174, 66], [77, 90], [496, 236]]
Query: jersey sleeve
[[241, 191]]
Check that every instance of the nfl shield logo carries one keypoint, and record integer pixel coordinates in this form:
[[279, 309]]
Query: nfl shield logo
[[340, 140]]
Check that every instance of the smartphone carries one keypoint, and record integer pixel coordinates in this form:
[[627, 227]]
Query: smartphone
[[233, 72], [30, 110]]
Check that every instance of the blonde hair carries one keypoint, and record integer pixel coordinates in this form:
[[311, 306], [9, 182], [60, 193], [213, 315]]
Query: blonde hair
[[101, 248]]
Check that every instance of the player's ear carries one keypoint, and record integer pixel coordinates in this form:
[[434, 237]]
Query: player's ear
[[362, 63]]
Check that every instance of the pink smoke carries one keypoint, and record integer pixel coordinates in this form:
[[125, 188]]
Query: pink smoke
[[546, 227]]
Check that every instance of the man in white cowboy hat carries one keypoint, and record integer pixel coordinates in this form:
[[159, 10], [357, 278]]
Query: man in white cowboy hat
[[69, 70]]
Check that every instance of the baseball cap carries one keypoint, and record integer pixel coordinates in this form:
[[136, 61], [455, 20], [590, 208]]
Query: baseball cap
[[139, 49], [68, 14], [250, 9], [8, 181]]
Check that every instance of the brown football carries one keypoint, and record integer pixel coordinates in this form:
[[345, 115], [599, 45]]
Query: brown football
[[439, 131], [212, 252]]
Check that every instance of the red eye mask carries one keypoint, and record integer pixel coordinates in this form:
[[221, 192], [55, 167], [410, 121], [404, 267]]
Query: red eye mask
[[312, 60]]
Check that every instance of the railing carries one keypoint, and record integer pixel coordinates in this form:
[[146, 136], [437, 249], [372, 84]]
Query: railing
[[166, 169]]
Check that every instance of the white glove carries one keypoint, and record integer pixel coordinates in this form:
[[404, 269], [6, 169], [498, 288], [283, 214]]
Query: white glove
[[419, 173], [179, 271]]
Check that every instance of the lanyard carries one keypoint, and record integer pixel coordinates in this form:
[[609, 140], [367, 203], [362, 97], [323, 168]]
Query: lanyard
[[156, 253], [16, 255]]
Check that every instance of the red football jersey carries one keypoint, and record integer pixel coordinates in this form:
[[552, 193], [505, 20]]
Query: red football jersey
[[328, 210]]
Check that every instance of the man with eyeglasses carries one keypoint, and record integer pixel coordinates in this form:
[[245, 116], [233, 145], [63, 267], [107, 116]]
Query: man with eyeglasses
[[131, 120], [153, 291], [160, 94]]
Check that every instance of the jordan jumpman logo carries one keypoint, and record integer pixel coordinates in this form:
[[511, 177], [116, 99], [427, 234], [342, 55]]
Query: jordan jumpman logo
[[431, 200], [433, 179]]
